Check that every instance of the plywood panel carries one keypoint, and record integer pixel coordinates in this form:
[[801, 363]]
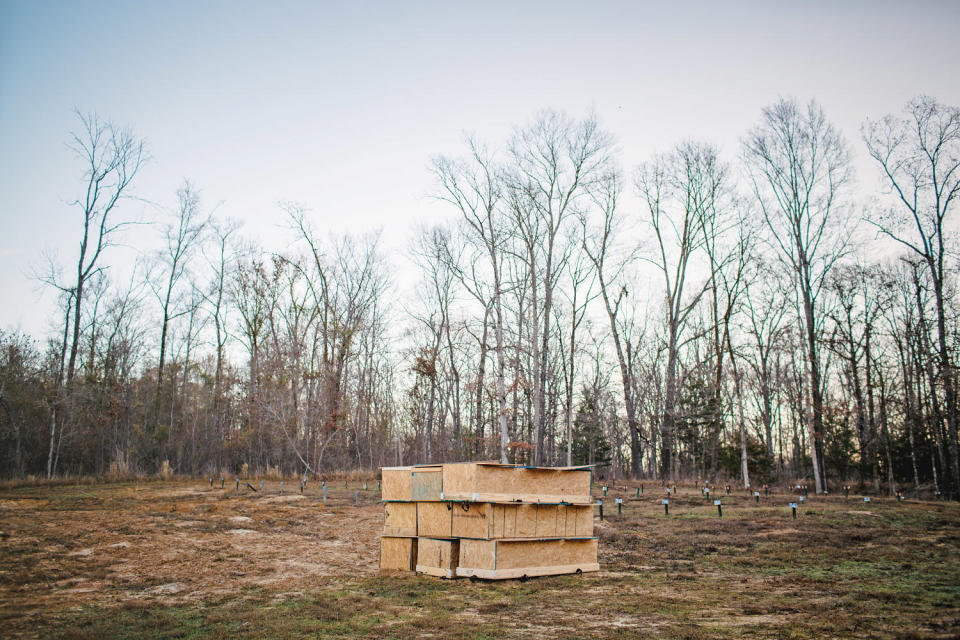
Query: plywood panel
[[547, 521], [472, 519], [396, 483], [427, 484], [398, 554], [478, 554], [458, 481], [575, 521], [546, 553], [524, 521], [435, 519], [513, 559], [438, 557], [400, 519], [485, 482]]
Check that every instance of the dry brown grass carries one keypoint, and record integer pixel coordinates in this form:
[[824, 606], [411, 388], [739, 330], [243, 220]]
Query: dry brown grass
[[170, 559]]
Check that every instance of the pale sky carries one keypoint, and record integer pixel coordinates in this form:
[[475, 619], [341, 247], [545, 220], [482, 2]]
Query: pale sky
[[341, 105]]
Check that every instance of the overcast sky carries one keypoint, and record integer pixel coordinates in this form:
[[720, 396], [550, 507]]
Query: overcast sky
[[341, 105]]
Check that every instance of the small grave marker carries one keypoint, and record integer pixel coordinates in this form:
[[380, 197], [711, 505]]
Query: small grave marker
[[719, 508], [866, 498], [619, 502], [666, 507], [756, 497], [793, 506]]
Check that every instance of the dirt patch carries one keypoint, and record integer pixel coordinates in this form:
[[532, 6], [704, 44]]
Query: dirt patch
[[130, 560], [158, 542]]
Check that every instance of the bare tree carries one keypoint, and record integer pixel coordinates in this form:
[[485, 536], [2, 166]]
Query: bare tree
[[113, 156], [554, 162], [598, 246], [919, 155], [180, 237], [474, 188], [799, 165], [679, 190]]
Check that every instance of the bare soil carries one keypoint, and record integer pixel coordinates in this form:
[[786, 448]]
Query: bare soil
[[171, 559]]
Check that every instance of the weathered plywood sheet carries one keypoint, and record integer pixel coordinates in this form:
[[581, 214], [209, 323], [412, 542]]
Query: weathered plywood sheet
[[478, 554], [458, 480], [503, 483], [435, 519], [513, 559], [427, 484], [575, 521], [396, 483], [544, 553], [400, 519], [472, 519], [498, 521], [438, 557], [398, 554]]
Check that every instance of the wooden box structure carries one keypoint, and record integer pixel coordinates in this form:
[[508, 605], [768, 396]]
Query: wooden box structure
[[398, 554], [495, 482], [400, 519], [499, 559], [438, 557], [488, 520]]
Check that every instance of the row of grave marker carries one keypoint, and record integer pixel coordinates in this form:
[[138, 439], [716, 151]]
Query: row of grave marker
[[717, 503]]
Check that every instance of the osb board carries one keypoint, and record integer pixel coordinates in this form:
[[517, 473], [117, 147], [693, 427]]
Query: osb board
[[495, 483], [472, 519], [400, 519], [396, 483], [575, 520], [478, 554], [438, 557], [427, 484], [398, 554], [435, 519], [496, 559], [494, 521]]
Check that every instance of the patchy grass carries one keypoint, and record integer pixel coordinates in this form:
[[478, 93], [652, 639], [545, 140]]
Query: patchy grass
[[178, 559]]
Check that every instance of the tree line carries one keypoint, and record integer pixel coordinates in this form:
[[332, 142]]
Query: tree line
[[692, 317]]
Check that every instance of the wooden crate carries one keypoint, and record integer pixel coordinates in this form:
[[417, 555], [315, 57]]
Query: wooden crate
[[438, 557], [396, 483], [435, 519], [502, 559], [427, 483], [398, 554], [489, 521], [495, 482], [400, 519]]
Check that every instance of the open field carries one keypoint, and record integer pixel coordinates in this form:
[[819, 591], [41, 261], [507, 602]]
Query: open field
[[178, 559]]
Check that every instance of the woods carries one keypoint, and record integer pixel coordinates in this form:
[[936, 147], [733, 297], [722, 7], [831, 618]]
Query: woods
[[759, 314]]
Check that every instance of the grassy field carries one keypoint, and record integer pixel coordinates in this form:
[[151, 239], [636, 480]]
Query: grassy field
[[179, 559]]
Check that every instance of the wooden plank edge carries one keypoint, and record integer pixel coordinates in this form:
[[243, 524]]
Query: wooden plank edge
[[530, 572], [512, 498], [436, 571]]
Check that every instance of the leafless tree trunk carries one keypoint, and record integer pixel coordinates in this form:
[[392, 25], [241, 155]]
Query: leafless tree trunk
[[799, 165], [920, 159]]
